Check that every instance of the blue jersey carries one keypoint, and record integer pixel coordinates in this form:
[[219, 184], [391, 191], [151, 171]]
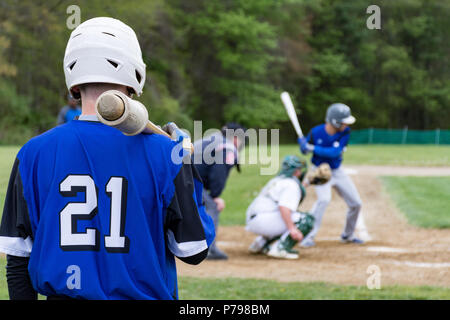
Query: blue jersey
[[102, 215], [71, 114], [328, 148]]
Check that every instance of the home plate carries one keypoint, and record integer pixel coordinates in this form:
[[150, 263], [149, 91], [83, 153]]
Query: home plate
[[387, 249]]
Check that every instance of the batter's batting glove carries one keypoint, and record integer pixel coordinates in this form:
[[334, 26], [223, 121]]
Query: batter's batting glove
[[178, 135], [172, 129], [305, 147]]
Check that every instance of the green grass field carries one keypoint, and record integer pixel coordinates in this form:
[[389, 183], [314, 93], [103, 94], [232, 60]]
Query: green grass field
[[398, 155], [3, 285], [254, 289], [7, 156], [422, 199]]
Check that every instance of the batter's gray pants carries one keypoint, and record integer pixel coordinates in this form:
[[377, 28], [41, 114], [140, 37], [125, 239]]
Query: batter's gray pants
[[347, 190]]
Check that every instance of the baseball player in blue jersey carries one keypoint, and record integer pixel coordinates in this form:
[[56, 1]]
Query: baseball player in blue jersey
[[327, 142], [91, 213]]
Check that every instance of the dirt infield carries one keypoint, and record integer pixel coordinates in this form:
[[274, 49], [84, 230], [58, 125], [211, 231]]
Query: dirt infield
[[406, 255]]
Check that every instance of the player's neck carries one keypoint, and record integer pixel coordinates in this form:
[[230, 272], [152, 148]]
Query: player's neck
[[90, 94], [330, 129], [88, 105]]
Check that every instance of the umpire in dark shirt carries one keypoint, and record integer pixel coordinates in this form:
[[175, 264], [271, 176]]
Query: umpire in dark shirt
[[214, 156]]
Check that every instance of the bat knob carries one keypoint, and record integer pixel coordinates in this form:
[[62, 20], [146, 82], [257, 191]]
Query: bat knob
[[110, 106]]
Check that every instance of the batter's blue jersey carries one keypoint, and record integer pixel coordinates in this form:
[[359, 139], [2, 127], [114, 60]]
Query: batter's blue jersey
[[102, 215], [328, 148]]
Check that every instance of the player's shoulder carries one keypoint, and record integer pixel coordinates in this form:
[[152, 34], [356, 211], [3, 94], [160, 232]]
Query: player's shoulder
[[318, 128], [289, 182], [53, 139], [318, 131], [159, 141], [164, 151], [38, 142]]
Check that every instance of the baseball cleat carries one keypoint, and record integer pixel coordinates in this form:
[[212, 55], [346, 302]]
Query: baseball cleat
[[257, 245], [351, 240], [282, 253], [215, 253]]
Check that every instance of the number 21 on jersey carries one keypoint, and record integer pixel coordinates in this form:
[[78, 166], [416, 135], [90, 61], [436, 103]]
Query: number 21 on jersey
[[70, 238]]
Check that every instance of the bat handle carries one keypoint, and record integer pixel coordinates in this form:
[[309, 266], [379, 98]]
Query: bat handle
[[172, 131], [179, 135]]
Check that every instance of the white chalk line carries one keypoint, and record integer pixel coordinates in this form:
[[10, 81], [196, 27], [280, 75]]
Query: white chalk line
[[361, 229], [387, 249], [421, 264]]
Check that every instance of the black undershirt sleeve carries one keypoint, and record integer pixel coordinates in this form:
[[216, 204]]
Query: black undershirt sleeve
[[19, 283], [195, 259], [15, 219], [182, 217], [16, 223]]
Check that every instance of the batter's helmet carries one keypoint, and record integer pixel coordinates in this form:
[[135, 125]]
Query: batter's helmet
[[104, 50], [338, 114]]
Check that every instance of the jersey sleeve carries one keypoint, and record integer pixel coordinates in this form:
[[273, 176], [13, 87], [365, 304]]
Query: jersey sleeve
[[289, 195], [189, 229], [346, 138], [336, 150], [16, 237], [310, 138]]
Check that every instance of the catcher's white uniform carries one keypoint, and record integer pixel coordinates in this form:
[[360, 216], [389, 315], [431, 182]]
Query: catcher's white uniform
[[263, 214]]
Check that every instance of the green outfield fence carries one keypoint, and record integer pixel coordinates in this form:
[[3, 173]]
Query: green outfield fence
[[399, 136]]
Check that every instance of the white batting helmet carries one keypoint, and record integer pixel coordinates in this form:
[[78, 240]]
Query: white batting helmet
[[104, 50]]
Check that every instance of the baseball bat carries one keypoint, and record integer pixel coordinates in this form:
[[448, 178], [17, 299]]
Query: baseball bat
[[117, 110], [289, 107]]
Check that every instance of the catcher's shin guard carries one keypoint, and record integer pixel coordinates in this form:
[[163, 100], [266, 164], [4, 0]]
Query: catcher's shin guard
[[305, 224]]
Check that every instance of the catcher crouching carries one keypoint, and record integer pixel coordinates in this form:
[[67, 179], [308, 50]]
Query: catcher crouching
[[273, 214]]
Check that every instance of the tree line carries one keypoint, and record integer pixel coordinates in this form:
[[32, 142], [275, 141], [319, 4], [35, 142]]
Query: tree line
[[229, 60]]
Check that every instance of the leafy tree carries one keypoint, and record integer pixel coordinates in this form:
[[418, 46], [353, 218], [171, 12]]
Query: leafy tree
[[221, 60]]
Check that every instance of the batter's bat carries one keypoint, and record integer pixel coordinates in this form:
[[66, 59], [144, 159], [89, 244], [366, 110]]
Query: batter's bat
[[287, 102], [117, 110]]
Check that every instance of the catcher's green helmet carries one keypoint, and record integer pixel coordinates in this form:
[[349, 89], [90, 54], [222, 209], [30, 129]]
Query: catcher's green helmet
[[290, 164]]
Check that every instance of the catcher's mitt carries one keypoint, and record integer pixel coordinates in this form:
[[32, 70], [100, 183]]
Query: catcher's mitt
[[321, 175]]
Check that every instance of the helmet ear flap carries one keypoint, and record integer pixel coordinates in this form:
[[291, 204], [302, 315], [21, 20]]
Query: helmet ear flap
[[335, 123]]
